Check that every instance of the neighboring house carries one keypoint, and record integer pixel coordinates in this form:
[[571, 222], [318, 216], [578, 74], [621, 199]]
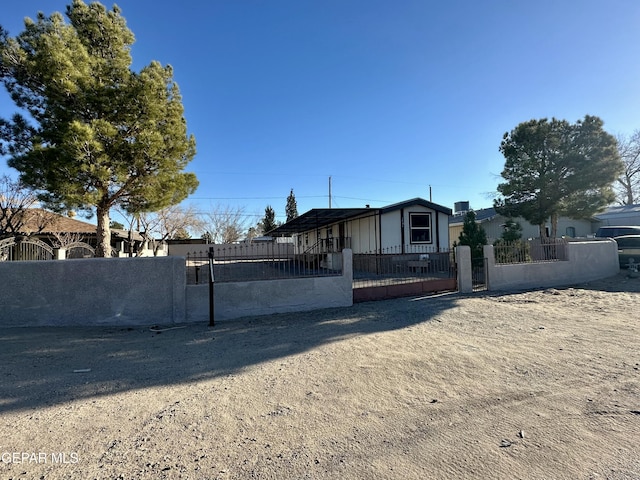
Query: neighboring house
[[619, 215], [57, 230], [412, 226], [493, 224]]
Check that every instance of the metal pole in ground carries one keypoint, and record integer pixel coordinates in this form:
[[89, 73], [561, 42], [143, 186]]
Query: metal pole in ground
[[211, 310]]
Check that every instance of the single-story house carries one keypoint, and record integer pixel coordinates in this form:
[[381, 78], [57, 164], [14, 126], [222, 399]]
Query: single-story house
[[619, 215], [493, 224], [58, 230], [412, 226]]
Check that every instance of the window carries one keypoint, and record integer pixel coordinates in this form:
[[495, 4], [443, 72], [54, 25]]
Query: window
[[420, 226]]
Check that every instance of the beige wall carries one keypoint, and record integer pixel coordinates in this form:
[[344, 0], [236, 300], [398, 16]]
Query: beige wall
[[494, 228]]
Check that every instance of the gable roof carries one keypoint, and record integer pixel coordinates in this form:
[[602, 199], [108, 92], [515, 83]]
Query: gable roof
[[416, 201], [322, 217], [482, 215]]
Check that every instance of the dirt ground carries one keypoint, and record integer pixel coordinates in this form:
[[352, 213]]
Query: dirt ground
[[526, 385]]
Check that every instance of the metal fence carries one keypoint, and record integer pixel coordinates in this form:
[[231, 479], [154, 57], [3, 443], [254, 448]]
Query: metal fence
[[531, 251], [392, 267], [479, 275], [16, 249], [241, 263]]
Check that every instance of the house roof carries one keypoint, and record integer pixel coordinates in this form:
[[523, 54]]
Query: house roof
[[38, 220], [488, 214], [619, 211], [45, 222], [322, 217], [416, 201], [318, 218], [482, 215]]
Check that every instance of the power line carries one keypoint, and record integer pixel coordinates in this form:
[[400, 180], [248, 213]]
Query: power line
[[253, 198]]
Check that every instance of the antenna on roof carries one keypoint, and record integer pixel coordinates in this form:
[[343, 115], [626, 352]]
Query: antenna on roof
[[329, 191], [430, 198]]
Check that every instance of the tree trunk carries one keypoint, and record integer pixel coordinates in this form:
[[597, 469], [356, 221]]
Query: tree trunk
[[554, 225], [630, 199], [103, 233], [543, 230]]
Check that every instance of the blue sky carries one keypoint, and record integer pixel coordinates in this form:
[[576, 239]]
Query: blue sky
[[386, 97]]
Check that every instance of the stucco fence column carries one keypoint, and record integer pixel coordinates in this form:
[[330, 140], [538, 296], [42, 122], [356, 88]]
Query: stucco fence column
[[465, 277]]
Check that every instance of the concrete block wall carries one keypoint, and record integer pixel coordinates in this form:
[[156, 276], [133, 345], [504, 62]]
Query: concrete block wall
[[93, 291]]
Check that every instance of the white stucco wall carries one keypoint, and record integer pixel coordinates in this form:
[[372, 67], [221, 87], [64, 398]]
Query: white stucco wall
[[241, 299], [93, 291], [587, 261]]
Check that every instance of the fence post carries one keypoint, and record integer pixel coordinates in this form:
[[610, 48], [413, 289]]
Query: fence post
[[490, 263], [211, 305], [465, 277]]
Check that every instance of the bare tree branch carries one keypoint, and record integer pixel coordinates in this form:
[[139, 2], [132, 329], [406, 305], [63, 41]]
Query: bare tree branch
[[16, 200], [170, 223], [628, 184], [226, 224], [64, 239]]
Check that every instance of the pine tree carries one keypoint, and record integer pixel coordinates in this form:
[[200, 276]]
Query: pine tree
[[292, 207], [268, 222], [474, 236], [99, 135], [553, 168], [512, 231]]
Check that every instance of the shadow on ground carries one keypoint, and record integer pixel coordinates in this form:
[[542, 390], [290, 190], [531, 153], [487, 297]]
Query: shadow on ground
[[53, 365]]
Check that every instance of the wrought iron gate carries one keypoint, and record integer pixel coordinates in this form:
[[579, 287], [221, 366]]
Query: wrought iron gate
[[14, 249], [479, 274]]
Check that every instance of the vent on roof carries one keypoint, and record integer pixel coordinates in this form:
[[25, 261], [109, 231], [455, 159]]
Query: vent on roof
[[461, 207]]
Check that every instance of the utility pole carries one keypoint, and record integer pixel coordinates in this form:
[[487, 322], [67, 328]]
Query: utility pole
[[329, 191]]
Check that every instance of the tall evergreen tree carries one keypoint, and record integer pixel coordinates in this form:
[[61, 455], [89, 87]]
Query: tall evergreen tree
[[99, 134], [292, 206], [512, 231], [268, 222], [474, 236], [555, 168]]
